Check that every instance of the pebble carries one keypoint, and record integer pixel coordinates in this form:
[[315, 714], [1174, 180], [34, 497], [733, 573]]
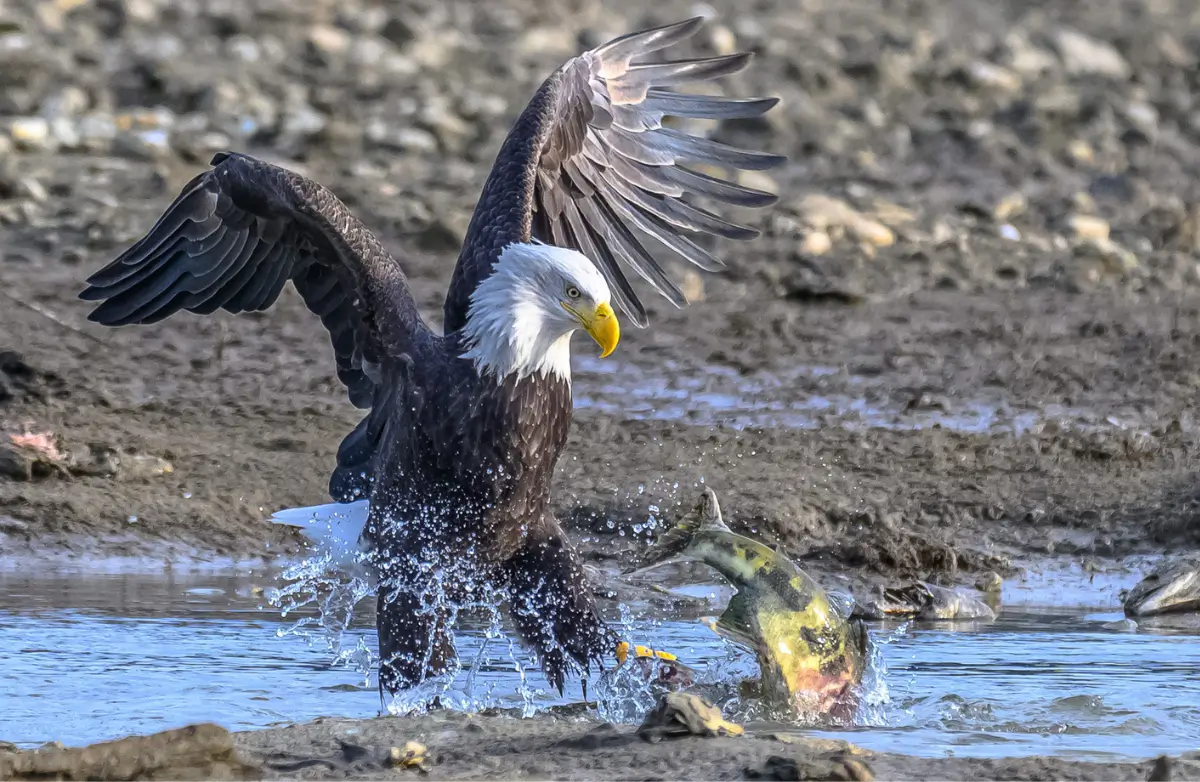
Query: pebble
[[404, 139], [816, 243], [244, 48], [692, 285], [1142, 115], [1088, 227], [32, 133], [1121, 625], [142, 144], [1081, 152], [328, 39], [65, 132], [68, 102], [31, 188], [1116, 258], [10, 525], [990, 76], [723, 40], [96, 132], [1082, 54], [1010, 206], [1026, 59], [824, 212], [302, 121]]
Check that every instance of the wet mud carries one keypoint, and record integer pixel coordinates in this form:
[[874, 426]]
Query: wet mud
[[969, 337], [461, 746]]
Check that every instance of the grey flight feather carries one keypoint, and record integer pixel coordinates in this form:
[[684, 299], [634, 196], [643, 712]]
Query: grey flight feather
[[589, 166]]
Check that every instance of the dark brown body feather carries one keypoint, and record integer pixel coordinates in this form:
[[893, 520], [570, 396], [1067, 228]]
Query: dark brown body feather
[[457, 466]]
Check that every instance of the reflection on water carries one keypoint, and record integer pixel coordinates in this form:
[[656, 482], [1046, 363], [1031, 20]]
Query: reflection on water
[[804, 398], [90, 657]]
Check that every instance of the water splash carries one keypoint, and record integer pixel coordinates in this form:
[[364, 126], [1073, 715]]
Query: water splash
[[315, 584]]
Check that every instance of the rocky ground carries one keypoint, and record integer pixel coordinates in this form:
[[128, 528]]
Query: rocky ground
[[988, 207], [458, 746]]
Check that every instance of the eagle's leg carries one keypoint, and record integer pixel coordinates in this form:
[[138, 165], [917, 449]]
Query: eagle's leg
[[414, 637], [552, 606]]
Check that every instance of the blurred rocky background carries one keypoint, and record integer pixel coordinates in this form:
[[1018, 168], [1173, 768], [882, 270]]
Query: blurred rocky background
[[933, 144]]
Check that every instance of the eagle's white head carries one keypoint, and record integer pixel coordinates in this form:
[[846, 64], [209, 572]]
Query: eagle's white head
[[523, 314]]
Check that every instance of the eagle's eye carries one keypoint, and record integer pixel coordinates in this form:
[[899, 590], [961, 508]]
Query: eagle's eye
[[572, 292]]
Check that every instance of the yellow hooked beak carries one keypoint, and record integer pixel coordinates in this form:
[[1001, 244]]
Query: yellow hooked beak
[[602, 325]]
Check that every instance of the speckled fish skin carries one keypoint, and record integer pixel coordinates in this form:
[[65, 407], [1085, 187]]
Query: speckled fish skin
[[811, 656]]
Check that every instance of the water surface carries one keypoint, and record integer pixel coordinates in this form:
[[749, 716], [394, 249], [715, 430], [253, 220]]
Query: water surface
[[87, 656]]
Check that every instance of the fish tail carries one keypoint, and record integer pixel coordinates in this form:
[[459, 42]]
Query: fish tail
[[705, 515]]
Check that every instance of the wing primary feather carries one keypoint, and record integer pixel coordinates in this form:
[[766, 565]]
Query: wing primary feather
[[606, 168], [677, 212], [708, 222], [666, 74], [125, 273], [268, 283], [636, 255], [181, 211], [646, 41], [214, 260], [217, 293], [238, 292], [717, 189], [702, 150], [652, 179], [659, 229], [649, 222], [592, 224], [680, 104], [137, 274], [157, 287]]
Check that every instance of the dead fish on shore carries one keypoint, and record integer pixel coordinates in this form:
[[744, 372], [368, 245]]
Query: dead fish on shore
[[810, 653], [1172, 587], [926, 602]]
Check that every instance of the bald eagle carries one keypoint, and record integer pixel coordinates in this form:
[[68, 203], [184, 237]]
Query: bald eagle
[[445, 483]]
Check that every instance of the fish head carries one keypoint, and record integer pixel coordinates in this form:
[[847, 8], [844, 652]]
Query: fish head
[[1174, 588], [810, 656]]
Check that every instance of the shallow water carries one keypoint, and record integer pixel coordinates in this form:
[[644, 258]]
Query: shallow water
[[87, 656], [808, 397]]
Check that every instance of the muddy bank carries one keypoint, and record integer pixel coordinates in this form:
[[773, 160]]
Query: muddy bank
[[244, 441], [458, 746], [967, 337]]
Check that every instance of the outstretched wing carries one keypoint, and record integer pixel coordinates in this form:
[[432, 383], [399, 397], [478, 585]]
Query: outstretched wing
[[589, 165], [233, 238]]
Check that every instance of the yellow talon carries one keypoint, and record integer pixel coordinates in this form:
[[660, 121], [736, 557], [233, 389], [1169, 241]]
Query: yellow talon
[[641, 651]]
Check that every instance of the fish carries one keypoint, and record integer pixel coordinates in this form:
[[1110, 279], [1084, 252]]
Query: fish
[[1172, 587], [928, 602], [811, 654]]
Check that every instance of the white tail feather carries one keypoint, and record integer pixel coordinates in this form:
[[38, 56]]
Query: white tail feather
[[334, 529]]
